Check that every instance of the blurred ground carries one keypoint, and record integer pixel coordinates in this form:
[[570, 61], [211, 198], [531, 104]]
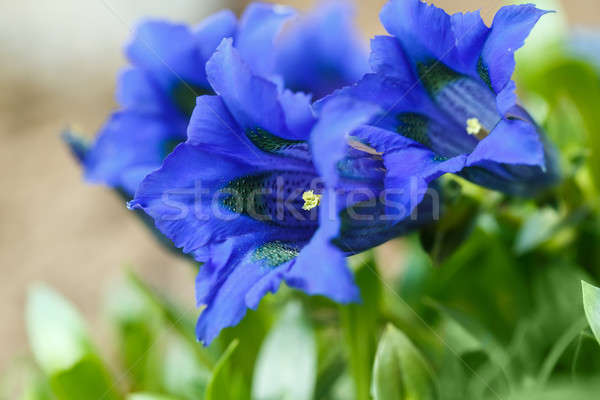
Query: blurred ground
[[59, 62]]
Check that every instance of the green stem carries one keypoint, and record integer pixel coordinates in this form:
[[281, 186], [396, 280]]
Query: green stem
[[558, 349], [576, 355], [359, 328]]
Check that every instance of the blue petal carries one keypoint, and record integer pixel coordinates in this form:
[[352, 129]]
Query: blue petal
[[387, 58], [186, 199], [136, 90], [116, 152], [329, 137], [511, 142], [408, 110], [211, 31], [507, 98], [407, 167], [515, 158], [510, 28], [411, 170], [299, 115], [392, 95], [327, 46], [427, 32], [252, 100], [258, 28], [232, 281], [321, 267], [172, 196], [213, 128], [169, 52]]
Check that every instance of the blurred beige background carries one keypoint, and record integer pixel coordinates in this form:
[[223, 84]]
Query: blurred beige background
[[59, 62]]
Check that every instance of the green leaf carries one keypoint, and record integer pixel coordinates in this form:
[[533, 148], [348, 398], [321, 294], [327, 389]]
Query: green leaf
[[557, 350], [538, 228], [184, 376], [464, 335], [250, 333], [62, 348], [442, 239], [484, 257], [25, 383], [179, 319], [560, 390], [87, 379], [136, 322], [38, 390], [578, 81], [359, 327], [220, 385], [400, 372], [148, 396], [57, 333], [287, 362], [591, 305]]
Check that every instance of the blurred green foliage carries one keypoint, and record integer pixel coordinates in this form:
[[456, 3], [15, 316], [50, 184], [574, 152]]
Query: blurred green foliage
[[486, 304]]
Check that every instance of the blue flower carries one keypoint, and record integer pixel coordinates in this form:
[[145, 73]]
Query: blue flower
[[444, 81], [263, 192], [157, 93]]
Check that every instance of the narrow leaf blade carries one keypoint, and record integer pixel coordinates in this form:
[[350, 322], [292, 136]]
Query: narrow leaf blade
[[591, 305]]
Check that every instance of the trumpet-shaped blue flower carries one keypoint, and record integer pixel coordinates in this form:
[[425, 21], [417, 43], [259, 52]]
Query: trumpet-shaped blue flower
[[445, 81], [157, 93], [263, 192]]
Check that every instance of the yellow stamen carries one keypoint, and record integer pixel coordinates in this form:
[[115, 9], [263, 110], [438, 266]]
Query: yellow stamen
[[473, 126], [311, 200]]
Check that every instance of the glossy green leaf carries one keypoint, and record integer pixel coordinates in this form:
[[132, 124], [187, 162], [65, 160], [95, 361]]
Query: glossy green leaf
[[591, 305], [400, 372], [287, 362], [63, 350], [220, 385]]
